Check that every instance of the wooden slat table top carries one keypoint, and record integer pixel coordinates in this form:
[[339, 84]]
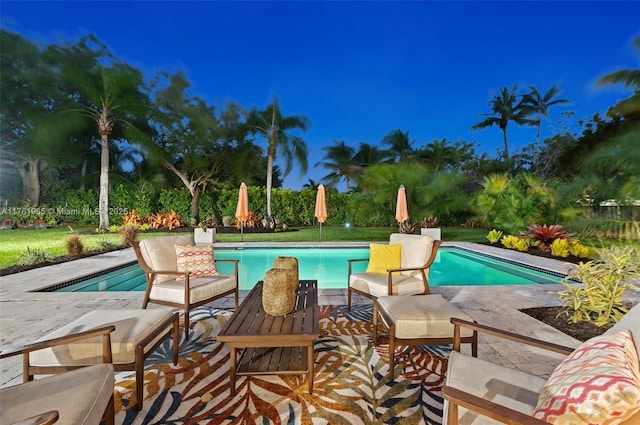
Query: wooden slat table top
[[251, 324]]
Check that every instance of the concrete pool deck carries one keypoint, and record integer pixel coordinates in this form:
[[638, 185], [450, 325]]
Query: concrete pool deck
[[26, 316]]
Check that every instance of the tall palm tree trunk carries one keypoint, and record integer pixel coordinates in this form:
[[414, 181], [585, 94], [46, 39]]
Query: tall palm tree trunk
[[103, 202], [105, 125], [506, 144]]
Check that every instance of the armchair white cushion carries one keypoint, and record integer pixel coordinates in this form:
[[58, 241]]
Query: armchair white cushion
[[82, 396], [481, 392], [158, 258], [411, 278]]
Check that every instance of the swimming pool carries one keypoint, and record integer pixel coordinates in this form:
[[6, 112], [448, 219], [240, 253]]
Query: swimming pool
[[453, 266]]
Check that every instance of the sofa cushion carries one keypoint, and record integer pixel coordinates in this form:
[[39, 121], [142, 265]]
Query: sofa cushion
[[423, 316], [598, 383], [500, 384], [383, 257], [160, 253], [80, 396], [132, 327], [377, 284], [416, 250], [197, 260]]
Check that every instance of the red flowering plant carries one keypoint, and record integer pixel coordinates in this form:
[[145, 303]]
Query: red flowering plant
[[545, 235]]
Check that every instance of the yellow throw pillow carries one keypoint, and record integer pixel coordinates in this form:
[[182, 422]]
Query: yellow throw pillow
[[195, 259], [383, 257]]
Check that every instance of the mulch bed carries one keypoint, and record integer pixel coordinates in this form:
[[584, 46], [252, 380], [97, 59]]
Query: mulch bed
[[558, 318]]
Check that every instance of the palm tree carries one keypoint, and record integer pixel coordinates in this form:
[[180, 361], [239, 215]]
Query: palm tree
[[339, 158], [271, 125], [400, 146], [539, 105], [629, 78], [110, 95], [310, 184], [368, 154], [438, 154], [505, 107]]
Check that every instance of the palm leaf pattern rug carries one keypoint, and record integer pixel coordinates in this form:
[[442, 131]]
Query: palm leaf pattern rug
[[351, 384]]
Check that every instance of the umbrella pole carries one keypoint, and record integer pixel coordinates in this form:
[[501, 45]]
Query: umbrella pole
[[242, 231], [320, 231]]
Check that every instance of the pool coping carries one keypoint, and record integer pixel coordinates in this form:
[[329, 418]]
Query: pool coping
[[34, 280], [550, 268]]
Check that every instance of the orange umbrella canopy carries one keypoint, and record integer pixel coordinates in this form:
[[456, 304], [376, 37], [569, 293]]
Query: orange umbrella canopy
[[402, 213], [242, 210], [321, 205]]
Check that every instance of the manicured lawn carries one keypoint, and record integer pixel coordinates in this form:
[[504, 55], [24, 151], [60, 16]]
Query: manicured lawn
[[15, 242]]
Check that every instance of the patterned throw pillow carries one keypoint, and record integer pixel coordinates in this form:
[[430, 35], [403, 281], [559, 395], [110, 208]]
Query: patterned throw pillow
[[383, 257], [599, 383], [195, 259]]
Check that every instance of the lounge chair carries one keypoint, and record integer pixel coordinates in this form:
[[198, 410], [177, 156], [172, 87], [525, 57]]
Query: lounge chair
[[600, 374], [82, 396], [178, 284], [407, 276]]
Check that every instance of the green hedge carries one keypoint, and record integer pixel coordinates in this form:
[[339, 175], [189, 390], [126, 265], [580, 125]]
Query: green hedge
[[295, 208]]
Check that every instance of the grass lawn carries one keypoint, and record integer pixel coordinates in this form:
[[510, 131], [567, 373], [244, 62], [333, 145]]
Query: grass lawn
[[18, 241]]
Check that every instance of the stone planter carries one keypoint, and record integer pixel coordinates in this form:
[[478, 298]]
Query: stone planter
[[434, 232], [207, 235]]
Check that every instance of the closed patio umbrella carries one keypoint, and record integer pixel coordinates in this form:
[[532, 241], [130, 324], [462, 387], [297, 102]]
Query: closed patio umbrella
[[321, 208], [242, 210], [402, 213]]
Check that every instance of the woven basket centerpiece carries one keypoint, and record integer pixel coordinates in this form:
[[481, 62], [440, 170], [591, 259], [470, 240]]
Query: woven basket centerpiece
[[290, 263], [279, 291]]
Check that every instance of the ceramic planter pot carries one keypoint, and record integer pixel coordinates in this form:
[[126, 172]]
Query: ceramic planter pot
[[207, 235], [434, 232]]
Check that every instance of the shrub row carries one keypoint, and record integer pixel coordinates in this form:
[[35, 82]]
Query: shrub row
[[295, 208]]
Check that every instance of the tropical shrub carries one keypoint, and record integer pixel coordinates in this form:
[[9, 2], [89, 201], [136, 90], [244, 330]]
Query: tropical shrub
[[494, 236], [168, 220], [545, 235], [132, 217], [252, 221], [34, 256], [509, 241], [129, 233], [521, 245], [74, 245], [601, 295], [578, 250], [106, 244], [560, 248], [513, 204], [514, 242]]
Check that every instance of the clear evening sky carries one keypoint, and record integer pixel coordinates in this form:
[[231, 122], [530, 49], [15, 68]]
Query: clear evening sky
[[358, 70]]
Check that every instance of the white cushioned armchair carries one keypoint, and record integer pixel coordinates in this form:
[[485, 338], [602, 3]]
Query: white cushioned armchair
[[82, 396], [598, 382], [411, 277], [167, 285]]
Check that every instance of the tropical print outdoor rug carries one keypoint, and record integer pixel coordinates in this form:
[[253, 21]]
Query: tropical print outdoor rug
[[351, 384]]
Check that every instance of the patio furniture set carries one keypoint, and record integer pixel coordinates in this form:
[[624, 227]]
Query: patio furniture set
[[182, 275]]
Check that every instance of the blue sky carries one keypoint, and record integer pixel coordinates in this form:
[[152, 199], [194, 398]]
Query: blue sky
[[358, 70]]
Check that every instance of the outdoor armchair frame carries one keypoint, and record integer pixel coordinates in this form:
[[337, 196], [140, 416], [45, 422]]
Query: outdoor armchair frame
[[26, 349], [482, 406], [390, 274]]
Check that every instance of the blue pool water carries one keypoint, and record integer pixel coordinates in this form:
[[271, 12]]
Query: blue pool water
[[453, 266]]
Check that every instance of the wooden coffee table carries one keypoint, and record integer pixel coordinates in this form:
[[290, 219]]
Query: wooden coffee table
[[273, 345]]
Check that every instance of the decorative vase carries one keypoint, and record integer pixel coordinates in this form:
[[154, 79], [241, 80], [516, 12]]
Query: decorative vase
[[207, 235], [289, 263], [434, 232], [279, 292]]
